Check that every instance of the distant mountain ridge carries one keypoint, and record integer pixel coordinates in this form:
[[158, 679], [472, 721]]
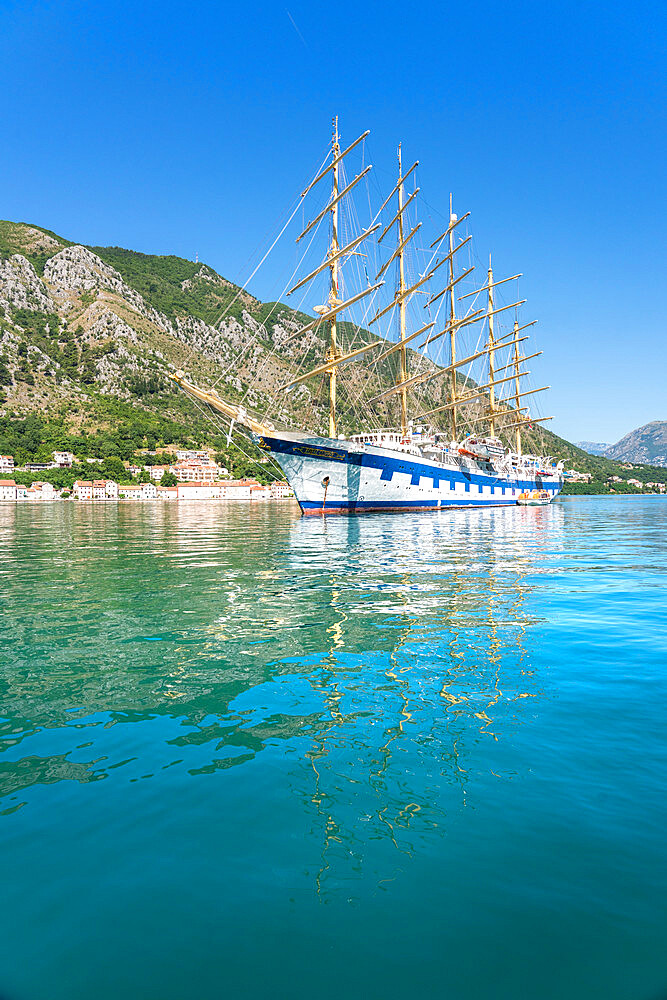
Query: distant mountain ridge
[[647, 444], [593, 447]]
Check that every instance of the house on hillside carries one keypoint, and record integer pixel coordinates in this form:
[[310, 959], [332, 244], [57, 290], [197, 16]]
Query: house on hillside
[[6, 463], [63, 459], [156, 472], [192, 472], [573, 476], [194, 457]]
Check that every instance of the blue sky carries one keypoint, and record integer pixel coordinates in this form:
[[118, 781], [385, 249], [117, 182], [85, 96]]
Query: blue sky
[[187, 128]]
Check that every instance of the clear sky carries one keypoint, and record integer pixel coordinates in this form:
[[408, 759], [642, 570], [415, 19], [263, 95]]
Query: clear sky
[[188, 128]]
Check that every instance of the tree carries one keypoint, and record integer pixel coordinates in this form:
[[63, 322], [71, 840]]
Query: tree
[[114, 469], [168, 479]]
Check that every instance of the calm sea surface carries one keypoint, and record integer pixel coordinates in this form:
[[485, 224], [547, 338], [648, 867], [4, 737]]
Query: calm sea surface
[[244, 754]]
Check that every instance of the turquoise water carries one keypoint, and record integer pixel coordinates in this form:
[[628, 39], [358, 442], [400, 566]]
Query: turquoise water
[[252, 755]]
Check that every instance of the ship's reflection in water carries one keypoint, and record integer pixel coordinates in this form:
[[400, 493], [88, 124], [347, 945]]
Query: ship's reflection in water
[[361, 662], [427, 652]]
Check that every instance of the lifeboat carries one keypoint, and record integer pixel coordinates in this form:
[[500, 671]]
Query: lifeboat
[[484, 449], [534, 498]]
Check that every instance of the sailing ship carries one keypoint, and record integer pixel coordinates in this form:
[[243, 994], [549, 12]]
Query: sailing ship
[[431, 457]]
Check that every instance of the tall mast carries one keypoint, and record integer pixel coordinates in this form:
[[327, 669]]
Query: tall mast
[[402, 307], [452, 317], [333, 268], [492, 394], [517, 387]]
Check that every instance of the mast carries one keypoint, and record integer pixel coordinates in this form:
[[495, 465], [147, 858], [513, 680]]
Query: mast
[[333, 268], [402, 306], [492, 394], [517, 393], [452, 317]]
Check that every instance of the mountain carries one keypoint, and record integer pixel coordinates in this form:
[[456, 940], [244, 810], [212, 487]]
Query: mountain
[[593, 447], [647, 444], [89, 334]]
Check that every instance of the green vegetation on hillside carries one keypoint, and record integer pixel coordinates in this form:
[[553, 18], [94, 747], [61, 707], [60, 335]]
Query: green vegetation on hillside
[[17, 237], [35, 438], [160, 281]]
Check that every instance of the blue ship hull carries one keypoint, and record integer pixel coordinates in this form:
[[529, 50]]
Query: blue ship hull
[[344, 477]]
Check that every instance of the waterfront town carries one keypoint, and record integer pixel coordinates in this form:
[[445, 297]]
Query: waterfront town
[[193, 475]]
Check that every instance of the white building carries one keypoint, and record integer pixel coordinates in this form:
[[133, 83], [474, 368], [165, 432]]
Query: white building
[[6, 463], [144, 491], [167, 492], [39, 491], [99, 489], [82, 489], [111, 490], [194, 457], [7, 490], [156, 472], [198, 491], [192, 472], [281, 490], [63, 459], [237, 489], [131, 492], [260, 492]]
